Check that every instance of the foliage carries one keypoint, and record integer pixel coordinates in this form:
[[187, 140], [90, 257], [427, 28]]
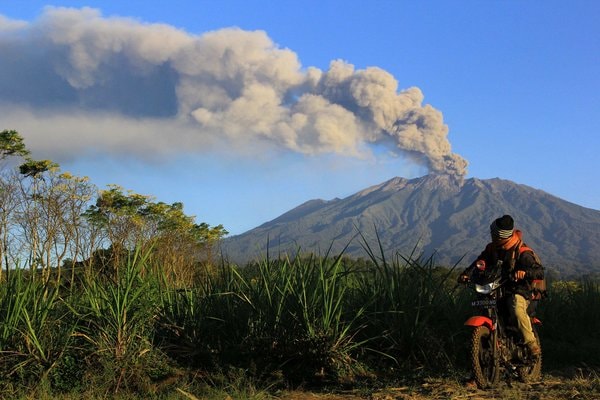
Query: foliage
[[299, 316], [12, 144], [414, 309], [35, 168], [130, 220], [35, 330], [571, 317], [279, 322]]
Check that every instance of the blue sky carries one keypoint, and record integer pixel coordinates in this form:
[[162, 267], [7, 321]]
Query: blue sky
[[517, 83]]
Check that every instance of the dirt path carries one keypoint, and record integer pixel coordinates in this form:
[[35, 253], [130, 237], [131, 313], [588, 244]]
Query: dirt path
[[551, 387]]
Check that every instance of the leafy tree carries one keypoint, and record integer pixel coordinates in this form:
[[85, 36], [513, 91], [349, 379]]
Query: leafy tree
[[40, 211], [209, 236], [36, 168], [12, 144], [120, 218], [49, 216], [133, 221], [180, 244], [46, 219]]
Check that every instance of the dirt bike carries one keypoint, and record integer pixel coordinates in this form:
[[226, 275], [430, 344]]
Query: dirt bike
[[497, 348]]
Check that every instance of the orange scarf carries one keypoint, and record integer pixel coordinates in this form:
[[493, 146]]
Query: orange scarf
[[510, 242]]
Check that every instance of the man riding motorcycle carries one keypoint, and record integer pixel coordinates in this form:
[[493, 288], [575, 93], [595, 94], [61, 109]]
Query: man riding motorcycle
[[519, 265]]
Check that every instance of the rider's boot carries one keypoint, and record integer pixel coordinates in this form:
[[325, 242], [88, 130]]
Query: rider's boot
[[534, 349]]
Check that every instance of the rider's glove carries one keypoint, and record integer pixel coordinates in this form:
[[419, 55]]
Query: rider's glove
[[463, 278], [520, 274]]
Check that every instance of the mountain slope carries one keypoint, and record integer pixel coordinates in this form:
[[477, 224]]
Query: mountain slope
[[436, 213]]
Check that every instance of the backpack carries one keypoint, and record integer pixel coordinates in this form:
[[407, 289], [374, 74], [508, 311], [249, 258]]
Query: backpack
[[538, 286]]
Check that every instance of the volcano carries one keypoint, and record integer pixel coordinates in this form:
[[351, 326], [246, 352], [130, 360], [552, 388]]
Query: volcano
[[435, 215]]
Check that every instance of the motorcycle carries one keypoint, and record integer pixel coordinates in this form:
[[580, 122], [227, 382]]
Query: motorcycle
[[497, 348]]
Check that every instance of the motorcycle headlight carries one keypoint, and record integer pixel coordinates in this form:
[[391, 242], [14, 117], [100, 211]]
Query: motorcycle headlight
[[487, 288]]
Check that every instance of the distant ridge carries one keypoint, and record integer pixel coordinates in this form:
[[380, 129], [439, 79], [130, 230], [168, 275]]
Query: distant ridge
[[441, 215]]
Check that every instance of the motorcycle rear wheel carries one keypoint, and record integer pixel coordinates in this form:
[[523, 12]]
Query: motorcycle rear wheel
[[532, 373], [486, 367]]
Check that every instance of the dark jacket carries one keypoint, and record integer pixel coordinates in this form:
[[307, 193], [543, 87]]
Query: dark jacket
[[518, 258]]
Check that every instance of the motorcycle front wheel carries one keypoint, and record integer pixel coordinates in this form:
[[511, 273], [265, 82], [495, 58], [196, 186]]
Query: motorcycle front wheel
[[486, 367]]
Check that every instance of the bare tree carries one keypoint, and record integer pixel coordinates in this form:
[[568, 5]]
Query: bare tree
[[11, 144]]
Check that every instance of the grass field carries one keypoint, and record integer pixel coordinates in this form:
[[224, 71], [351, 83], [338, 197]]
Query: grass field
[[279, 328]]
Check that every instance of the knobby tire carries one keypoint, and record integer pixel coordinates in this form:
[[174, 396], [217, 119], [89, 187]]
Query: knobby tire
[[532, 373], [486, 367]]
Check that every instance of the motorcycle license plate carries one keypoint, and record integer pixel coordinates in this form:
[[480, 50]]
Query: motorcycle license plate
[[485, 303]]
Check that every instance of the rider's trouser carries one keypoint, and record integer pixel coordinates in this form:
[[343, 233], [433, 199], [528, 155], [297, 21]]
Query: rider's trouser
[[518, 307]]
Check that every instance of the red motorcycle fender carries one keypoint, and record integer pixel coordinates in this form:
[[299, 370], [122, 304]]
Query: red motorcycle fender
[[479, 320]]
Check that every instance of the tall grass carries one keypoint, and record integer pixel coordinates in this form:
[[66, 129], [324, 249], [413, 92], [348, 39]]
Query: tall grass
[[571, 323], [415, 313], [196, 324], [35, 329], [300, 315], [291, 312], [284, 321], [116, 320]]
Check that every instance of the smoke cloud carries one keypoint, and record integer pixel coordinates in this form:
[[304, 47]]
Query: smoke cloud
[[78, 82]]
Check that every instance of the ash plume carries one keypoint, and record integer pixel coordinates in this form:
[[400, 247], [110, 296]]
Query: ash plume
[[75, 74]]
